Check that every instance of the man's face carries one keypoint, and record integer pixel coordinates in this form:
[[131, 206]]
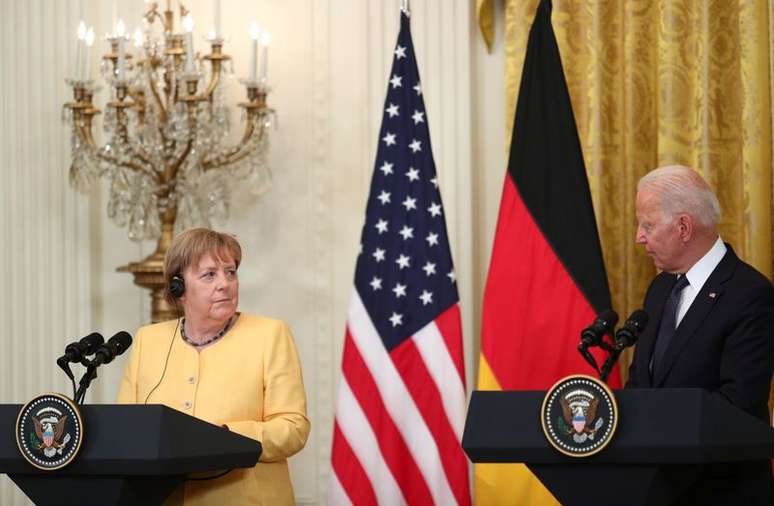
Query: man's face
[[659, 233]]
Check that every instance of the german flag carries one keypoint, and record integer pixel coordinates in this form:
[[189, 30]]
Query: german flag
[[547, 278]]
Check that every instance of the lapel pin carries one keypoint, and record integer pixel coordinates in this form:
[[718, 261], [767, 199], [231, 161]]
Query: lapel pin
[[713, 295]]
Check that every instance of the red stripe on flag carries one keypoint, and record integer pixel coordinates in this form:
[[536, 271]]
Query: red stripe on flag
[[393, 448], [352, 476], [427, 397], [533, 310], [449, 324]]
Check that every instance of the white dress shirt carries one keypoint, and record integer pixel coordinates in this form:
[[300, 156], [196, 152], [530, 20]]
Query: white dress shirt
[[697, 276]]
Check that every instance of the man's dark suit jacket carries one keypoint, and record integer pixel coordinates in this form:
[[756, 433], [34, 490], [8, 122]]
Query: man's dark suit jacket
[[725, 344]]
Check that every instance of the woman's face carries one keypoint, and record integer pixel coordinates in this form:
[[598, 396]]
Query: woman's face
[[211, 288]]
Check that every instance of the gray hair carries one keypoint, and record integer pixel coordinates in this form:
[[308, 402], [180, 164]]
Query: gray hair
[[680, 189]]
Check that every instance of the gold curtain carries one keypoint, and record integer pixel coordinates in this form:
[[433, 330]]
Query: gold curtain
[[656, 82]]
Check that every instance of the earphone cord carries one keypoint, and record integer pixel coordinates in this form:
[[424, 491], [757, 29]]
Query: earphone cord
[[169, 351]]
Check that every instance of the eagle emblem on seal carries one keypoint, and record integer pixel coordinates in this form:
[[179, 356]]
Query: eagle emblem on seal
[[579, 414], [50, 433]]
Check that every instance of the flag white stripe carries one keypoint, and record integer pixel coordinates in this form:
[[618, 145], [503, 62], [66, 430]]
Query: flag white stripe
[[440, 365], [398, 402], [361, 438], [336, 494]]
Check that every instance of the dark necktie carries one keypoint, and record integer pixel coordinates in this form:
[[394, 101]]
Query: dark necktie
[[668, 323]]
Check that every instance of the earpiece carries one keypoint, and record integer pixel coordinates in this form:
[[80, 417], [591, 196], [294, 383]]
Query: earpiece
[[177, 287]]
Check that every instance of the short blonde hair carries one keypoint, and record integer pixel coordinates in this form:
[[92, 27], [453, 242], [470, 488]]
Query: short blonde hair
[[188, 248]]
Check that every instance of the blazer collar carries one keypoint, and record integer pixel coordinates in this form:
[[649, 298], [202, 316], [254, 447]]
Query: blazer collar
[[708, 296]]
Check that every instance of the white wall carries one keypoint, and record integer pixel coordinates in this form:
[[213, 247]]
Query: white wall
[[328, 69]]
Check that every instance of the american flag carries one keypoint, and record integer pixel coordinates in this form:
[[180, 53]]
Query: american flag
[[401, 400]]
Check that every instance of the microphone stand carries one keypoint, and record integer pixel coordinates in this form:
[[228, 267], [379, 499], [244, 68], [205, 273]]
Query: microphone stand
[[612, 358], [583, 350], [86, 379]]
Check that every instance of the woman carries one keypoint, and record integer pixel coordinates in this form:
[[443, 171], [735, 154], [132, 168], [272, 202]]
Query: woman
[[231, 369]]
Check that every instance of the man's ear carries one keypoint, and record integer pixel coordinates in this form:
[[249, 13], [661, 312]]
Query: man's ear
[[685, 226]]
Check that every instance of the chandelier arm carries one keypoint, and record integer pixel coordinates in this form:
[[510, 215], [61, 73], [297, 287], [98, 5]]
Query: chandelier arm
[[84, 133], [240, 152], [159, 102], [175, 167], [234, 150], [128, 165], [213, 82], [140, 153]]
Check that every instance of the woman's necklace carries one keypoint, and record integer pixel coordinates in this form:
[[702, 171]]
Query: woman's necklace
[[207, 341]]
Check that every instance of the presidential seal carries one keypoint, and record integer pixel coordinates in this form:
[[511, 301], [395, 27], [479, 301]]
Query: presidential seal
[[49, 431], [579, 415]]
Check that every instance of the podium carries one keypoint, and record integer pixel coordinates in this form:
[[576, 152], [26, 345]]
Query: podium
[[663, 440], [131, 454]]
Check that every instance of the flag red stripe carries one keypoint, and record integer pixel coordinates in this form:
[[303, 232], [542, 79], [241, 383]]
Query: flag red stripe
[[427, 397], [351, 474], [449, 324], [533, 310], [393, 448]]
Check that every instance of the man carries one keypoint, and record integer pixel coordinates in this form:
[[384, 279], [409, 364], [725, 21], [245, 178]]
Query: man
[[711, 319]]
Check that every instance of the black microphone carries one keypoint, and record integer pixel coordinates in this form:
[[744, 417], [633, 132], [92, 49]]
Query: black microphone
[[115, 346], [593, 335], [625, 337], [628, 334], [75, 352]]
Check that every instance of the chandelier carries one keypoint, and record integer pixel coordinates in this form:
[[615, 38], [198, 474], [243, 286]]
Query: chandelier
[[166, 155]]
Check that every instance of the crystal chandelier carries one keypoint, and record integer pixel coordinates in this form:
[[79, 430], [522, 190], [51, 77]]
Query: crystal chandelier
[[166, 155]]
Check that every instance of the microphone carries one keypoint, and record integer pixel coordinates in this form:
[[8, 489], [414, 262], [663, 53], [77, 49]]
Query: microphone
[[75, 352], [115, 346], [628, 334], [625, 337], [593, 335]]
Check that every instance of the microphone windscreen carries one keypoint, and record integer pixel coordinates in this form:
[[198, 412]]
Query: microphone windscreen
[[92, 342], [609, 317], [121, 341], [637, 320]]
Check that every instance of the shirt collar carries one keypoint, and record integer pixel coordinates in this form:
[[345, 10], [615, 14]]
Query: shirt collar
[[701, 270]]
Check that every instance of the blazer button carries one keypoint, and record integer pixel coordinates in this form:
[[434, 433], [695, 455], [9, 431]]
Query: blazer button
[[191, 380], [187, 404]]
